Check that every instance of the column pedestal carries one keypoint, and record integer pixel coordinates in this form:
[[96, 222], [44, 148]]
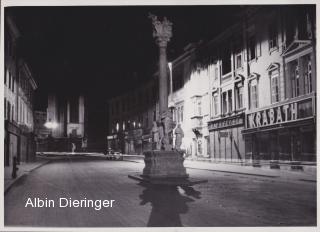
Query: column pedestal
[[164, 164], [165, 168]]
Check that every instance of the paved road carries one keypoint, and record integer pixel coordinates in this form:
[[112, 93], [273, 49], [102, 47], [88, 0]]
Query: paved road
[[226, 200]]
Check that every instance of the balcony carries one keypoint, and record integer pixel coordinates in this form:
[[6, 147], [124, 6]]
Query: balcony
[[196, 122]]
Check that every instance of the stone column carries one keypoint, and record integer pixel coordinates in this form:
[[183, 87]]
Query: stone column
[[162, 32]]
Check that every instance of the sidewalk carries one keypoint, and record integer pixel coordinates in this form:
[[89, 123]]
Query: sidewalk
[[283, 173], [24, 169]]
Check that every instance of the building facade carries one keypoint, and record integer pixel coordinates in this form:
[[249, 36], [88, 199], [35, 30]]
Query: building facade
[[19, 87], [66, 113], [248, 95], [131, 118]]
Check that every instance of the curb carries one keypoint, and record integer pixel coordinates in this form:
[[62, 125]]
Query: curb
[[9, 186]]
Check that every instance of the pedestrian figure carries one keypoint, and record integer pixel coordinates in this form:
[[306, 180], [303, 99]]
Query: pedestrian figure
[[84, 144], [73, 147]]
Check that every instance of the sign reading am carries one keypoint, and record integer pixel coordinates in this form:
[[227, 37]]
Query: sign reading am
[[271, 116]]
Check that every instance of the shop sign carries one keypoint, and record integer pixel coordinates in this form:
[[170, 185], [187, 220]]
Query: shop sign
[[227, 122], [280, 114], [224, 134]]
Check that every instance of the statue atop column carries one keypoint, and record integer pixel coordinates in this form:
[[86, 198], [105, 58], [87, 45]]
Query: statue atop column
[[162, 32]]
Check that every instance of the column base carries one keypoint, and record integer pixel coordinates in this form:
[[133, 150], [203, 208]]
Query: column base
[[164, 164]]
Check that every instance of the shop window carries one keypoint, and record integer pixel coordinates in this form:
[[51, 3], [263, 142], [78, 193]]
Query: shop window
[[253, 94], [274, 86], [273, 36], [208, 146], [199, 147]]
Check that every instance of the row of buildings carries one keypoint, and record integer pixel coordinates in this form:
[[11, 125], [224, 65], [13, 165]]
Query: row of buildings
[[19, 87], [28, 130], [247, 95]]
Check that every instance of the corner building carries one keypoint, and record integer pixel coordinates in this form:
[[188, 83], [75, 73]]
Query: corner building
[[280, 121]]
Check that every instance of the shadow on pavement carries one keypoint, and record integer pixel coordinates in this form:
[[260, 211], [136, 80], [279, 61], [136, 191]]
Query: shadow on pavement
[[167, 203]]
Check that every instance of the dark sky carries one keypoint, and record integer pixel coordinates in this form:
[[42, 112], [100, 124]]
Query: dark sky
[[103, 51]]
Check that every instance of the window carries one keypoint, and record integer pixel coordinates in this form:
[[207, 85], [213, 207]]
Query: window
[[274, 86], [199, 107], [181, 113], [273, 36], [214, 104], [216, 73], [252, 48], [13, 83], [12, 114], [224, 102], [239, 101], [5, 76], [307, 74], [74, 110], [238, 54], [10, 80], [296, 78], [5, 108], [226, 60], [230, 101], [8, 110], [253, 94], [238, 60]]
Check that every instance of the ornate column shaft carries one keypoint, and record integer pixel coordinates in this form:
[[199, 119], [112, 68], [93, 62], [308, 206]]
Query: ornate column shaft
[[162, 31]]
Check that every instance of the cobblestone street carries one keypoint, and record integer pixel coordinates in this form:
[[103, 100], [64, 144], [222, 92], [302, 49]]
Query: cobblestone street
[[228, 199]]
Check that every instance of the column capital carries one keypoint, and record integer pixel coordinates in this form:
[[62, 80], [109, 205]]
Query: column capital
[[162, 30]]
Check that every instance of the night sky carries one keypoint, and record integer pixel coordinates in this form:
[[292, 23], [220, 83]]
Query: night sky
[[104, 51]]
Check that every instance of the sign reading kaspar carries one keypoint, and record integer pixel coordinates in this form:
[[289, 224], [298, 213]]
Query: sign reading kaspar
[[271, 116]]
